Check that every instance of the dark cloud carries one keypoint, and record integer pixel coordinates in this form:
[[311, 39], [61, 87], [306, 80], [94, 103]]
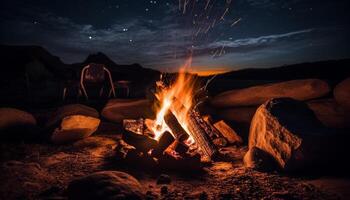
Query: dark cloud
[[162, 34]]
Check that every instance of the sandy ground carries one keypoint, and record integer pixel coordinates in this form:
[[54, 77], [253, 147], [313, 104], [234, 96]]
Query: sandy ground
[[43, 171]]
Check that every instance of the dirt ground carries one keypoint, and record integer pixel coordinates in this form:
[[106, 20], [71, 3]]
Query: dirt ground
[[43, 171]]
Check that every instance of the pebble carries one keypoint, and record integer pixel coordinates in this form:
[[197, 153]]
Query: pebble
[[163, 179]]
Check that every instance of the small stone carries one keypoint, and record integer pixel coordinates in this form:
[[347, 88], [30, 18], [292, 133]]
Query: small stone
[[151, 195], [203, 196], [163, 179], [164, 190]]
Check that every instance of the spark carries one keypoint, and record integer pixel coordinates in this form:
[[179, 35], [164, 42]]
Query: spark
[[223, 15], [222, 50], [213, 24], [185, 6], [235, 22], [206, 6], [206, 31]]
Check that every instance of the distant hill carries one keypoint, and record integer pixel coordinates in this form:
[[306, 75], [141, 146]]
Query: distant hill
[[329, 70], [14, 60], [134, 72]]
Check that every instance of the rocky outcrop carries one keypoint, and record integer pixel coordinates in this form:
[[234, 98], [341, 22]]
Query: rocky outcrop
[[118, 109], [105, 185], [75, 127], [290, 132], [342, 94], [297, 89]]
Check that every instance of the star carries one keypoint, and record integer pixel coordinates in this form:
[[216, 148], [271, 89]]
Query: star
[[90, 37], [125, 29], [146, 9]]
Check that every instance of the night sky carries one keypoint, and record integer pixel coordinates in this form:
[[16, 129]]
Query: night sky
[[219, 34]]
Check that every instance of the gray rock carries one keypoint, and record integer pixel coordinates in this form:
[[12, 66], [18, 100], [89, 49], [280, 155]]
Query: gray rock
[[105, 185]]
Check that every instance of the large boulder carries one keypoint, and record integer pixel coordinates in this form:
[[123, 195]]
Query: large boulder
[[105, 185], [242, 115], [342, 94], [68, 110], [330, 113], [118, 109], [259, 160], [75, 127], [290, 132], [297, 89], [16, 124]]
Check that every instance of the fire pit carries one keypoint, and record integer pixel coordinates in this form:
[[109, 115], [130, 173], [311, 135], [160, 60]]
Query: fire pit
[[179, 135]]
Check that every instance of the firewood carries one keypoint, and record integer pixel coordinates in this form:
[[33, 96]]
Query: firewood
[[227, 132], [177, 130], [200, 134], [179, 147], [199, 130], [133, 135], [164, 141], [195, 123]]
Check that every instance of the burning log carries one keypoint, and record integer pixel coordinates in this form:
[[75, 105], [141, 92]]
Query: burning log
[[179, 147], [134, 135], [200, 134], [175, 126], [164, 142]]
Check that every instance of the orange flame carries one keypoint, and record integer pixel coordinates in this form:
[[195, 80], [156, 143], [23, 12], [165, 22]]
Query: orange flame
[[182, 90]]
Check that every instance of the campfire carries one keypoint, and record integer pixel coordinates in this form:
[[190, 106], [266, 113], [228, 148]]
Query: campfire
[[179, 132]]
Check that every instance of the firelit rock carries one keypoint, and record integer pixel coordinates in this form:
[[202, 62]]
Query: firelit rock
[[68, 110], [75, 127], [16, 124], [242, 115], [259, 160], [342, 94], [118, 109], [105, 185], [290, 132], [296, 89], [330, 113]]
